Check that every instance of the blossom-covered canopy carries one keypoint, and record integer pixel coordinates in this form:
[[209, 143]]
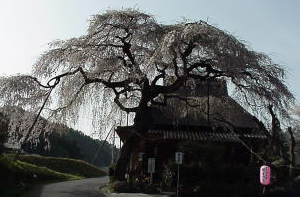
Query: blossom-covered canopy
[[122, 61]]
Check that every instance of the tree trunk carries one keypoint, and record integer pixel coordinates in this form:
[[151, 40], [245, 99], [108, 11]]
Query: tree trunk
[[142, 122], [292, 154], [141, 125], [123, 160]]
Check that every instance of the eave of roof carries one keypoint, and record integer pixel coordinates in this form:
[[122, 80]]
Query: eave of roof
[[194, 135], [205, 136]]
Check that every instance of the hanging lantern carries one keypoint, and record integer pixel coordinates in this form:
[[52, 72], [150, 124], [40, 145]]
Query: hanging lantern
[[265, 175]]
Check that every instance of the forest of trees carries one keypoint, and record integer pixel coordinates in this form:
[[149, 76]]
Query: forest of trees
[[74, 144], [65, 142]]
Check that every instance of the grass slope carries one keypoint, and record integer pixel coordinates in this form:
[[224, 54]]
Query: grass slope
[[65, 165], [18, 174]]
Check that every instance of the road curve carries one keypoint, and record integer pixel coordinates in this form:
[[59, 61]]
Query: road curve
[[79, 188]]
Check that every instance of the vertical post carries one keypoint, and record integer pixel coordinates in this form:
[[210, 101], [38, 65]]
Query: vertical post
[[186, 106], [131, 162], [208, 102], [251, 155], [127, 120], [151, 178], [151, 168], [178, 161], [120, 136], [292, 156], [178, 180]]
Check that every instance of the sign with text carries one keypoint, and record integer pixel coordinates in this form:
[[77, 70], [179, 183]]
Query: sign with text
[[178, 157], [151, 165], [265, 175]]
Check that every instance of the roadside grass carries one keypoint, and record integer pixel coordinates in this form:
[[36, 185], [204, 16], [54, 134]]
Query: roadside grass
[[17, 176], [64, 165]]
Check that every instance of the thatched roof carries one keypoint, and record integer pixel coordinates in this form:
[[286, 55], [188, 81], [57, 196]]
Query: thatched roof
[[178, 120], [222, 108]]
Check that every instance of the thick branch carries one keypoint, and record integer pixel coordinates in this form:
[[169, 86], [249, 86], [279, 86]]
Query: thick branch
[[158, 89], [161, 76], [108, 84], [122, 107], [40, 84], [189, 49], [205, 64]]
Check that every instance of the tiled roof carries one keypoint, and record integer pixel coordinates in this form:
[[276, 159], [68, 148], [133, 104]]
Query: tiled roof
[[205, 136]]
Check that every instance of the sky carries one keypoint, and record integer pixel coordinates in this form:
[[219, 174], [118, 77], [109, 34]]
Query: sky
[[268, 26]]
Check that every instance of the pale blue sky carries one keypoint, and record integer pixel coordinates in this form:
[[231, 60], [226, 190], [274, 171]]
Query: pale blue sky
[[269, 26]]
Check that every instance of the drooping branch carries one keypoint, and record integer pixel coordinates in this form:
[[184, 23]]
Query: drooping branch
[[37, 117], [72, 100]]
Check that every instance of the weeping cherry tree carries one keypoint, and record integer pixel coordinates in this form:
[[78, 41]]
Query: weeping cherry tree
[[121, 65]]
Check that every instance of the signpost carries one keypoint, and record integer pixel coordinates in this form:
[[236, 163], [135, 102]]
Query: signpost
[[151, 168], [178, 161], [178, 158]]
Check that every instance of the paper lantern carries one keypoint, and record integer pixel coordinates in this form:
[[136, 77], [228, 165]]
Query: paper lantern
[[265, 175]]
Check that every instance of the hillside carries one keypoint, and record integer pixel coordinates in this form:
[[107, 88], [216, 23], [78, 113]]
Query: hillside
[[68, 143], [20, 173], [73, 144], [64, 165]]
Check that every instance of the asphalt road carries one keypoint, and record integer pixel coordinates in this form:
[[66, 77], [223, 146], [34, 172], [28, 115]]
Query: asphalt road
[[79, 188]]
